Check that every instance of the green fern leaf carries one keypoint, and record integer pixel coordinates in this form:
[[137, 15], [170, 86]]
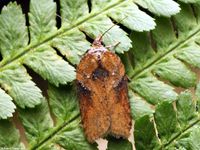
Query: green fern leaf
[[149, 63], [136, 19], [145, 138], [37, 50], [139, 106], [66, 132], [176, 72], [42, 19], [110, 37], [37, 122], [191, 55], [176, 128], [164, 55], [50, 66], [160, 7], [69, 47], [189, 1], [186, 109], [153, 90], [118, 144], [18, 84], [13, 77], [9, 136], [11, 36], [6, 105]]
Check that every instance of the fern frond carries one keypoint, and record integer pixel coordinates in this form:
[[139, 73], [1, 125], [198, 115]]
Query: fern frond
[[165, 54], [18, 48], [7, 107], [177, 128], [9, 136], [163, 8], [35, 48]]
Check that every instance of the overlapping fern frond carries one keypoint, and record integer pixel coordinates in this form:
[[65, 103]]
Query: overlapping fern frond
[[172, 126], [164, 54]]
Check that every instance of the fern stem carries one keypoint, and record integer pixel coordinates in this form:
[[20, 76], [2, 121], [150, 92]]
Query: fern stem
[[150, 65], [52, 134], [179, 134], [59, 32]]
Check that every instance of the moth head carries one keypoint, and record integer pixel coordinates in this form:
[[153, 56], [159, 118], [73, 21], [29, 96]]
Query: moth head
[[97, 42]]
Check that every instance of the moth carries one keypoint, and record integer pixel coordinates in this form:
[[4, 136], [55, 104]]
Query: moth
[[103, 94]]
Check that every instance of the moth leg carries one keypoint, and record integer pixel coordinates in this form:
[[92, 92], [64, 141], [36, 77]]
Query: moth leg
[[120, 112], [95, 119]]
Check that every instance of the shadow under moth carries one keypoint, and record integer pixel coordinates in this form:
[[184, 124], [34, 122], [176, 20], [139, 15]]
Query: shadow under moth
[[103, 94]]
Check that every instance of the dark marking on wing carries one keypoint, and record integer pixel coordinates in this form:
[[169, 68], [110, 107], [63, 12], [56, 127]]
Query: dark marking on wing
[[82, 89], [99, 73]]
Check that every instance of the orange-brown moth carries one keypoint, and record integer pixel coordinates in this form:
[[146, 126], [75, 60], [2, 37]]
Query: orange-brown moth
[[103, 94]]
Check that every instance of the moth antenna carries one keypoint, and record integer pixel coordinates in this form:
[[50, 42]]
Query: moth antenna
[[111, 28]]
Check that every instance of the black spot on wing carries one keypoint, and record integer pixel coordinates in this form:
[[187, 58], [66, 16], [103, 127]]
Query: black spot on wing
[[99, 73], [121, 89], [122, 84], [82, 90]]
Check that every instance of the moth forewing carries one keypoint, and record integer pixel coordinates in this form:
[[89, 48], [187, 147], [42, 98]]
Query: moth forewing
[[103, 94]]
